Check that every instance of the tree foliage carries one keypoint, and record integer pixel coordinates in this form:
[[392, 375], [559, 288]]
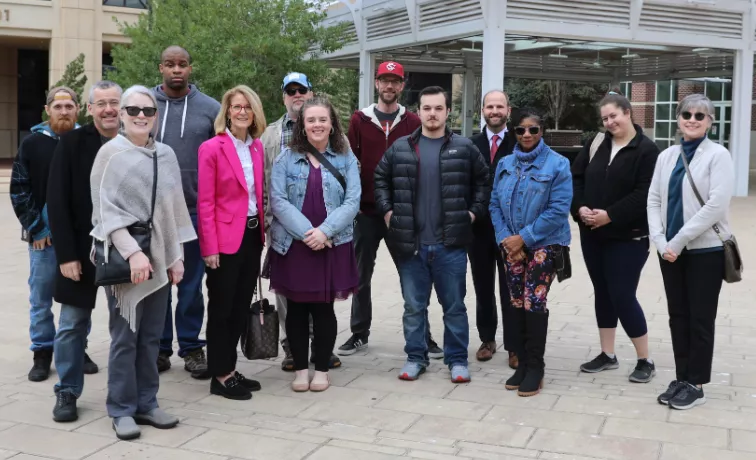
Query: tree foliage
[[232, 42], [74, 78]]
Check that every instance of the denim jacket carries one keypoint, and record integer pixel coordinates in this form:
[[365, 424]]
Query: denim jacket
[[288, 186], [533, 199]]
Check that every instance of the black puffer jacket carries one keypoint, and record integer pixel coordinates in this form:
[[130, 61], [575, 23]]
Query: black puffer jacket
[[464, 187]]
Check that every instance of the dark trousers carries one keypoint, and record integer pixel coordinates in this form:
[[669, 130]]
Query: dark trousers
[[615, 267], [298, 332], [368, 233], [230, 289], [485, 260], [692, 284]]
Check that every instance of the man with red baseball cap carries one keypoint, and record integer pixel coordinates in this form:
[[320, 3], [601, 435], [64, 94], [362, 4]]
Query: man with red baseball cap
[[372, 130]]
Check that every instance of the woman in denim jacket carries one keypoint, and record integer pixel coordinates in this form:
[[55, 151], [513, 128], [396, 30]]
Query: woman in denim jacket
[[313, 262], [530, 208]]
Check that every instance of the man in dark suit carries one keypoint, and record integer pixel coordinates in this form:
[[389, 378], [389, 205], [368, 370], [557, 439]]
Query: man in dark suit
[[494, 142], [69, 201]]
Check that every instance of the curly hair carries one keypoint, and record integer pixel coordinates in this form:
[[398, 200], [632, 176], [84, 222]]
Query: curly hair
[[337, 140]]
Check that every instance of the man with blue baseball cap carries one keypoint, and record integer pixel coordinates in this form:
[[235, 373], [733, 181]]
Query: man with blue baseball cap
[[296, 89]]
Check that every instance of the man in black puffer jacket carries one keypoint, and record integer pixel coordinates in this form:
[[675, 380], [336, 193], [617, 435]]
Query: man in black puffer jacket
[[430, 187]]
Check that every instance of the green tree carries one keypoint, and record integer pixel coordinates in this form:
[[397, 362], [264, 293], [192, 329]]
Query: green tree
[[232, 42], [74, 78]]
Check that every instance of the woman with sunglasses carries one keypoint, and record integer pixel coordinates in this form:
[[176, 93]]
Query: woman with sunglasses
[[123, 176], [690, 250], [530, 208], [611, 179], [230, 208]]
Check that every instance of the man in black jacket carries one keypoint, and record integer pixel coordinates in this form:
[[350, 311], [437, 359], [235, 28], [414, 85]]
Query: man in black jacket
[[29, 183], [430, 187], [70, 208], [494, 142]]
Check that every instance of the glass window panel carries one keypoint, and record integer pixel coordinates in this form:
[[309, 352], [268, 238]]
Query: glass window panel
[[663, 144], [663, 91], [662, 112], [726, 131], [728, 114], [674, 111], [673, 96], [662, 130], [727, 91], [714, 90]]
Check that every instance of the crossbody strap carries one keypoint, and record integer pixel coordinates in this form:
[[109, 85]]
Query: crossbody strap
[[330, 167], [154, 184], [695, 189]]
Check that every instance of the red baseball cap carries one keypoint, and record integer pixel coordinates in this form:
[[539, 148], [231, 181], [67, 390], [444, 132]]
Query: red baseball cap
[[390, 68]]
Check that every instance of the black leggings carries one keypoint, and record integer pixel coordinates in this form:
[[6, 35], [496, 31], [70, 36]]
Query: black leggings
[[298, 332]]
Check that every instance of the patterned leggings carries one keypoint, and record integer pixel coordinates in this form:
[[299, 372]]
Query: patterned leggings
[[529, 279]]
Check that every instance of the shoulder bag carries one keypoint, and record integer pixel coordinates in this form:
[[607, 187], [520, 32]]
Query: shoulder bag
[[733, 262], [597, 141], [330, 167], [117, 269], [259, 339]]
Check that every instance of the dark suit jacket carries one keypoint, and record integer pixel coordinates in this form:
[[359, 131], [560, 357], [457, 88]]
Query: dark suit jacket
[[484, 228], [69, 208]]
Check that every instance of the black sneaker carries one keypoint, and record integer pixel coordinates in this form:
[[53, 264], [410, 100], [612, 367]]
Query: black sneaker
[[354, 344], [196, 363], [163, 362], [333, 361], [90, 367], [674, 387], [288, 362], [644, 371], [688, 397], [41, 369], [232, 388], [249, 384], [600, 363], [65, 407], [434, 351]]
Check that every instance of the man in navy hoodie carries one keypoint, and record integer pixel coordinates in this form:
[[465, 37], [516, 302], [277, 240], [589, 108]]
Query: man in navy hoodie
[[186, 120]]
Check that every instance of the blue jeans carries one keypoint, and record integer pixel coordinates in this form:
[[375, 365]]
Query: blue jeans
[[190, 311], [43, 267], [70, 343], [446, 270]]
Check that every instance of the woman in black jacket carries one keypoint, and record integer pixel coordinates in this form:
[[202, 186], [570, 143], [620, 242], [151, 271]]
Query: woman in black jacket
[[611, 178]]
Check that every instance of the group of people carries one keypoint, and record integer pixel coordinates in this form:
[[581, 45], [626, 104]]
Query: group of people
[[218, 184]]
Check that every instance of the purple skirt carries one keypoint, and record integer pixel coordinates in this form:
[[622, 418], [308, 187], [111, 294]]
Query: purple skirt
[[308, 276]]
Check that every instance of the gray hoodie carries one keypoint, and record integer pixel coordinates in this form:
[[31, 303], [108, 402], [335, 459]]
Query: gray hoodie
[[184, 124]]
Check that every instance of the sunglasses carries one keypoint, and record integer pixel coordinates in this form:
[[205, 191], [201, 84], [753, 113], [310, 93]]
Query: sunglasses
[[300, 90], [698, 115], [533, 130], [134, 111]]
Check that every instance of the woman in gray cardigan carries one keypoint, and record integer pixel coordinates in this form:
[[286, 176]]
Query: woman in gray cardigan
[[690, 251]]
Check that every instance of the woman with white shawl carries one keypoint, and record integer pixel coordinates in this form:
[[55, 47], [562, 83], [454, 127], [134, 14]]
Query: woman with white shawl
[[122, 180]]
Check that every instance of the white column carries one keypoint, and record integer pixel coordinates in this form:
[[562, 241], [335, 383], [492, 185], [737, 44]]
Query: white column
[[367, 78], [740, 135], [468, 103], [493, 48]]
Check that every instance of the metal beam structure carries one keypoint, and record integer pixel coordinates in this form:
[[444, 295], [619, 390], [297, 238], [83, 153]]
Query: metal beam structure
[[603, 41]]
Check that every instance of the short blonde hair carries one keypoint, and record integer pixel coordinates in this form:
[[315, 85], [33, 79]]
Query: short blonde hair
[[258, 123]]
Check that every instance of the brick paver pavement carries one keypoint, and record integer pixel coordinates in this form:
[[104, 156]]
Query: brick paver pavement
[[368, 414]]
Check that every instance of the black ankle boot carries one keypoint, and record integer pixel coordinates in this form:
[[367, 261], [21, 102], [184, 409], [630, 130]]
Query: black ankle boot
[[516, 379], [537, 325]]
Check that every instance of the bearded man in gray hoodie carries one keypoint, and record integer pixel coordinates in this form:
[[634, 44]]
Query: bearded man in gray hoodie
[[186, 121]]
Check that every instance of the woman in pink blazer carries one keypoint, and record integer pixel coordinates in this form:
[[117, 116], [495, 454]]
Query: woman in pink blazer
[[231, 199]]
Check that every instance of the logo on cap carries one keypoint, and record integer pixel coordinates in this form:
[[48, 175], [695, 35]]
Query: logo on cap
[[391, 66]]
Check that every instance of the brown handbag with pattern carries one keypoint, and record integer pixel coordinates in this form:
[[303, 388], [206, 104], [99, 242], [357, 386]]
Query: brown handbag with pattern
[[260, 337]]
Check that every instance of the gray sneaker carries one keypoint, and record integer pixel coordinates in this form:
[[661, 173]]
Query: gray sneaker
[[126, 428], [434, 351], [644, 372], [196, 363], [158, 418]]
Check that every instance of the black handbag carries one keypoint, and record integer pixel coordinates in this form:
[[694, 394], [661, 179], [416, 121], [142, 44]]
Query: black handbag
[[563, 263], [733, 269], [259, 338], [117, 269]]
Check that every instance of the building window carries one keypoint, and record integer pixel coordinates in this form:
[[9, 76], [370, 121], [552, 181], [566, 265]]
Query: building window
[[142, 4], [720, 93], [626, 88], [665, 126]]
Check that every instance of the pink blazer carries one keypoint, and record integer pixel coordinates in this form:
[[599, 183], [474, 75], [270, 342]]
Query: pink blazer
[[222, 197]]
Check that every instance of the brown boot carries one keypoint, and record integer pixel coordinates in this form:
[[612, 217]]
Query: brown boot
[[513, 361], [486, 351]]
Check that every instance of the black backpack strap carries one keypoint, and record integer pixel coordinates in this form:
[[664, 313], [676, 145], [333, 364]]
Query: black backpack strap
[[330, 167]]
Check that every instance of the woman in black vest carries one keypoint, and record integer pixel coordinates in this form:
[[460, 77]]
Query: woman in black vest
[[611, 178]]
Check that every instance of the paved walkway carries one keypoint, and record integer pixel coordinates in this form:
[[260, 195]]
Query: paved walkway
[[370, 415]]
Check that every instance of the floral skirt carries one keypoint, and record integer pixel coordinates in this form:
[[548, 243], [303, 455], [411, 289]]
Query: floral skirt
[[529, 279]]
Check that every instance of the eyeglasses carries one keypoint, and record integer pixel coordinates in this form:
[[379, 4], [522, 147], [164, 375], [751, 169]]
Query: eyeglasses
[[239, 108], [389, 82], [533, 130], [102, 104], [698, 115], [134, 111], [301, 90]]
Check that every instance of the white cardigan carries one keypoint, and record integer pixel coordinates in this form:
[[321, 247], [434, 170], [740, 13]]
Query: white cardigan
[[714, 175]]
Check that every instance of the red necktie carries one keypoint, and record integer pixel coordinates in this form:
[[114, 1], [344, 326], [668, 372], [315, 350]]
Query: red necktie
[[494, 146]]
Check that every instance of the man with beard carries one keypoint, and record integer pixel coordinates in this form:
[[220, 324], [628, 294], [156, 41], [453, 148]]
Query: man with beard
[[296, 90], [430, 187], [69, 201], [186, 120], [372, 131], [494, 142], [28, 189]]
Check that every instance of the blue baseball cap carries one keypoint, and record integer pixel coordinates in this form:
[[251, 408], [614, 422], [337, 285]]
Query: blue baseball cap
[[296, 77]]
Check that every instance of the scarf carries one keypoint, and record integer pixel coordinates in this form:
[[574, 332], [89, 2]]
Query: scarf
[[121, 180], [528, 157]]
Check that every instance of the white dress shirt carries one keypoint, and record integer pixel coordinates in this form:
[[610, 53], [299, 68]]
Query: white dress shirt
[[501, 135], [245, 157]]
